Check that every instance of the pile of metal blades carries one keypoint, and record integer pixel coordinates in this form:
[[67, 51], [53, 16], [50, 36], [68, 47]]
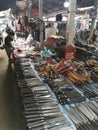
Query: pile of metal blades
[[40, 108], [65, 93], [85, 115], [87, 91]]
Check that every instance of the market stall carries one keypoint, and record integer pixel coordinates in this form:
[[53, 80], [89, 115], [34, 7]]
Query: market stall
[[58, 93]]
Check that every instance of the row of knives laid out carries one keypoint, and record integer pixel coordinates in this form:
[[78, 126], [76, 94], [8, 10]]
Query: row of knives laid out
[[89, 90], [85, 115], [68, 94], [65, 93], [40, 108]]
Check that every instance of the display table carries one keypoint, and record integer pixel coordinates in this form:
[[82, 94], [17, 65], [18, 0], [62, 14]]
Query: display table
[[41, 108], [40, 100], [51, 100]]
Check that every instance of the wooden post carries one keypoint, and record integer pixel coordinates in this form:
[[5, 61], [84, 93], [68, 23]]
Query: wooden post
[[93, 22]]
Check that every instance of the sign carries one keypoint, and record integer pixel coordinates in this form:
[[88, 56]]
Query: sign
[[70, 52], [35, 11]]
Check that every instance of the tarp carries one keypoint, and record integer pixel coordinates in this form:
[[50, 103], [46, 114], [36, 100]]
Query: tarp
[[5, 15]]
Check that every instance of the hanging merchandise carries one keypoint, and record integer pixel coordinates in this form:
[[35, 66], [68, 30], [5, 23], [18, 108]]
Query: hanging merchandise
[[59, 17]]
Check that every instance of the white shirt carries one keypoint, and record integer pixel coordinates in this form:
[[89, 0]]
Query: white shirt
[[50, 32]]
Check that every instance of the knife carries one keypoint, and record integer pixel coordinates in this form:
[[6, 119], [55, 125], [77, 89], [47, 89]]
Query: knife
[[43, 111], [36, 108], [53, 104], [43, 118], [44, 123]]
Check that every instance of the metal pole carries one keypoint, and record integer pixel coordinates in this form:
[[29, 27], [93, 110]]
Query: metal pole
[[41, 17], [29, 9], [29, 13], [71, 20], [40, 9]]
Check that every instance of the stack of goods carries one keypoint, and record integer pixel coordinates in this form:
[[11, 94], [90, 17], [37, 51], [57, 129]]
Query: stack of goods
[[40, 107], [54, 42], [85, 46], [93, 64], [65, 93], [85, 50], [47, 72], [70, 71], [78, 73]]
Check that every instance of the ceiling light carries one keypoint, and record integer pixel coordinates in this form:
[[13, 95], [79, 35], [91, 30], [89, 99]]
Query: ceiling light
[[66, 4]]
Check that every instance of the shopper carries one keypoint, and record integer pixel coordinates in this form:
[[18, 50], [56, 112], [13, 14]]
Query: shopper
[[1, 39], [94, 37], [8, 45]]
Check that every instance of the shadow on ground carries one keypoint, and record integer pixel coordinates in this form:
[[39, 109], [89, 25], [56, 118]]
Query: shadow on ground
[[11, 108]]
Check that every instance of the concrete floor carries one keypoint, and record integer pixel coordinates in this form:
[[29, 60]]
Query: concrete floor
[[11, 109]]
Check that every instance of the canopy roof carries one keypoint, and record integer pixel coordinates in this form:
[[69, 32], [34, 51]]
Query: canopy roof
[[51, 6], [48, 5]]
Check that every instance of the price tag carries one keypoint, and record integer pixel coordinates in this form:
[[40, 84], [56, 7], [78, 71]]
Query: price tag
[[70, 52]]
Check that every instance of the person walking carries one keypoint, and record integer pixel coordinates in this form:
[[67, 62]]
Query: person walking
[[8, 45], [1, 39]]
